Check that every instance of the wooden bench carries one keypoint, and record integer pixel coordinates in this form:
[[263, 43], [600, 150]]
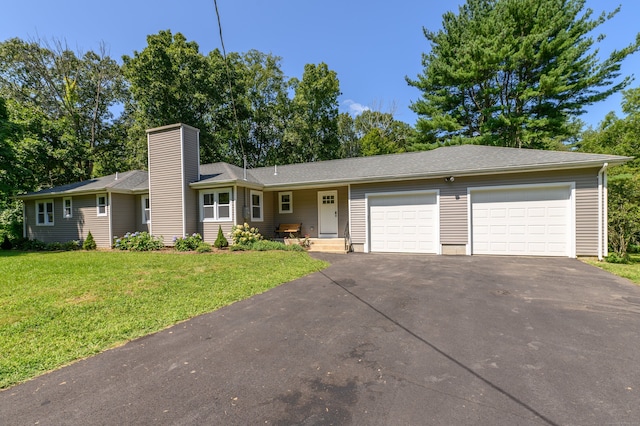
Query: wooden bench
[[289, 228]]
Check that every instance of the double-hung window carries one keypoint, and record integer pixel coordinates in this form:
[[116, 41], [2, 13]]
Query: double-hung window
[[146, 210], [256, 206], [44, 213], [285, 202], [67, 210], [216, 205], [101, 205]]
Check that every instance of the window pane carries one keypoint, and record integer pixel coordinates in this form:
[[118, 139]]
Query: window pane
[[208, 212], [208, 200], [40, 213], [255, 199], [285, 198], [224, 212], [146, 203], [286, 207], [256, 212], [224, 198]]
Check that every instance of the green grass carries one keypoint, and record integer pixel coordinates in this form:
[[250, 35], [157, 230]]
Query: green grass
[[59, 307], [631, 270]]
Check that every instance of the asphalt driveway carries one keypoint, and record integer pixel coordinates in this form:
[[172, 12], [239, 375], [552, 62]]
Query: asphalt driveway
[[375, 340]]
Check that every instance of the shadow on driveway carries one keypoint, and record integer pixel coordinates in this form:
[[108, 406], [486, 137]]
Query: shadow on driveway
[[375, 340]]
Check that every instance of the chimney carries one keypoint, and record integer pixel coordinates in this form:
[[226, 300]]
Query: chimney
[[174, 162]]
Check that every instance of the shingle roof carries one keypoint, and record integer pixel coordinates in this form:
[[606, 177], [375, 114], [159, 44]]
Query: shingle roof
[[444, 161], [131, 181]]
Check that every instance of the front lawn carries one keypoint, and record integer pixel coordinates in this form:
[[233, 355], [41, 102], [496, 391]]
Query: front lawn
[[59, 307], [630, 270]]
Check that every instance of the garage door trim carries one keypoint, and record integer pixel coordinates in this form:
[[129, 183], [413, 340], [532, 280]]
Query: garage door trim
[[572, 208], [367, 196]]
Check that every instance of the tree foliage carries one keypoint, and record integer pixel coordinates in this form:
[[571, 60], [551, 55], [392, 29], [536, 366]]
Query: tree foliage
[[513, 72], [373, 133], [620, 136], [312, 129], [172, 82], [62, 103], [263, 107]]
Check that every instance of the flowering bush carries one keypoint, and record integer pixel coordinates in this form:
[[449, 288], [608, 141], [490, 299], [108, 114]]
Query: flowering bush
[[245, 235], [138, 241], [188, 243]]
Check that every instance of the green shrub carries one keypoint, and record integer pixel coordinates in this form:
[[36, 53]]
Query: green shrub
[[188, 243], [245, 235], [295, 247], [616, 258], [633, 248], [6, 244], [71, 245], [221, 241], [138, 241], [89, 243], [266, 245], [54, 246], [203, 247], [26, 244]]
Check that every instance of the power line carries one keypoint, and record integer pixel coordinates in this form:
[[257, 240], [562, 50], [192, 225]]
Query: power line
[[233, 104]]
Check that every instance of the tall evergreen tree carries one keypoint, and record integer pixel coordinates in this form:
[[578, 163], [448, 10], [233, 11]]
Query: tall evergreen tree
[[514, 72]]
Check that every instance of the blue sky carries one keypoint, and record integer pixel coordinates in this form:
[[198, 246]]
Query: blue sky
[[372, 45]]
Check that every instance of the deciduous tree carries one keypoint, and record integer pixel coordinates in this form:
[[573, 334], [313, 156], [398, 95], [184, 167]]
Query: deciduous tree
[[312, 131], [620, 136]]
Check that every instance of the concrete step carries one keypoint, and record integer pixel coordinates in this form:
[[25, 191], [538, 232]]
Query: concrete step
[[327, 245]]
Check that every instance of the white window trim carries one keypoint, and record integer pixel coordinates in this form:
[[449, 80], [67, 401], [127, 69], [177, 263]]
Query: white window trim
[[280, 209], [64, 208], [261, 206], [106, 205], [144, 209], [46, 216], [216, 193]]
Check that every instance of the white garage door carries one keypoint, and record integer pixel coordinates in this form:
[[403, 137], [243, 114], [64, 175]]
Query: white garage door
[[523, 222], [406, 223]]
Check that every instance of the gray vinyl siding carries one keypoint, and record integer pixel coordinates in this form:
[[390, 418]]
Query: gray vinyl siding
[[265, 226], [173, 164], [124, 215], [305, 210], [191, 166], [454, 208], [84, 219], [165, 184]]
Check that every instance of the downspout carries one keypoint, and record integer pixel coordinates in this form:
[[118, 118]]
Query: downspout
[[24, 219], [602, 209], [110, 213]]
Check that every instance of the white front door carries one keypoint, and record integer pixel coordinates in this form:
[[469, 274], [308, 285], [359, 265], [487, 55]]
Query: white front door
[[327, 214]]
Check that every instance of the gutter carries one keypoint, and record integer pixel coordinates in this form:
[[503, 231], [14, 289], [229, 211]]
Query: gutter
[[602, 212]]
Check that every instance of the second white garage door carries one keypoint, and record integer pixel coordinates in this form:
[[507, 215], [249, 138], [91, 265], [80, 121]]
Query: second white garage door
[[403, 223], [525, 221]]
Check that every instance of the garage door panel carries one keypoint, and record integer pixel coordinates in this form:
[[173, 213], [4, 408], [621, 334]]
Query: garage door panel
[[403, 223], [536, 221]]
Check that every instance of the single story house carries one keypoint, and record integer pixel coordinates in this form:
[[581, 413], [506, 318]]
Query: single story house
[[452, 200]]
